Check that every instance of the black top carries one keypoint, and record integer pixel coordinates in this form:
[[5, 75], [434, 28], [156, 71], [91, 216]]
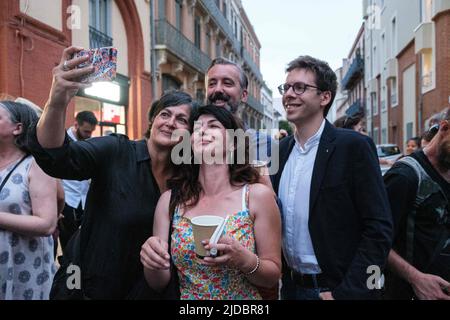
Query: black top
[[119, 209], [401, 183]]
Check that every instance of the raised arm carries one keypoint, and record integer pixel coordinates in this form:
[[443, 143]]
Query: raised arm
[[50, 129], [155, 255], [48, 141], [42, 222]]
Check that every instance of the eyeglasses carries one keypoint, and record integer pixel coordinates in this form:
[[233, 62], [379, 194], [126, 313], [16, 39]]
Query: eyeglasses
[[298, 87]]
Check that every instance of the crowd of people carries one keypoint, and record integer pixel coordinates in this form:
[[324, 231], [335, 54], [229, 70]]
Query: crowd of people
[[312, 230]]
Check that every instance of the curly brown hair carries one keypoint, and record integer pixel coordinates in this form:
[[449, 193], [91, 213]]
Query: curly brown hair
[[185, 186]]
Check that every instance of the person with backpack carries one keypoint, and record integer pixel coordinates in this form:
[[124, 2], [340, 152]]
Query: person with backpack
[[418, 188]]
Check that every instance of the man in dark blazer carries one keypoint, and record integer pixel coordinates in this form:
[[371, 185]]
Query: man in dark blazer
[[337, 225]]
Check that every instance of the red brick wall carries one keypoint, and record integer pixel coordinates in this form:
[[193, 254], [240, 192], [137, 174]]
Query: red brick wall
[[42, 51], [29, 51], [437, 99]]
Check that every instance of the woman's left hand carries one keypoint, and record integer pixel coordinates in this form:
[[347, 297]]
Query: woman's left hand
[[231, 253]]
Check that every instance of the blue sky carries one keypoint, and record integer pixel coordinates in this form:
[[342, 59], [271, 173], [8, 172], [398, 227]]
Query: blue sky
[[286, 29]]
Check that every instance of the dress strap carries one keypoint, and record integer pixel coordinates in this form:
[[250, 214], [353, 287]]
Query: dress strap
[[245, 196]]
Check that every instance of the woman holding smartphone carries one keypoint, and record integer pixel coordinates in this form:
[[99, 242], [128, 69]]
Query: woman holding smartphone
[[127, 178]]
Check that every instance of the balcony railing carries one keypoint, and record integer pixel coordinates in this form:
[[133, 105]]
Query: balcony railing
[[170, 37], [249, 61], [354, 73], [255, 104], [98, 39], [221, 21]]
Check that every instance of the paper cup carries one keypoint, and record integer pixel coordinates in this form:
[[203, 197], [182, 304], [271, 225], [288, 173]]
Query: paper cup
[[203, 228], [261, 166]]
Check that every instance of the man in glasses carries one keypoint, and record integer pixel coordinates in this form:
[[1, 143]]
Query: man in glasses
[[418, 187], [337, 226]]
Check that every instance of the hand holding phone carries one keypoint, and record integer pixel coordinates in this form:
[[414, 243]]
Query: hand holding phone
[[104, 61]]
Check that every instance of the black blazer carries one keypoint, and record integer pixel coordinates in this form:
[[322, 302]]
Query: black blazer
[[349, 220]]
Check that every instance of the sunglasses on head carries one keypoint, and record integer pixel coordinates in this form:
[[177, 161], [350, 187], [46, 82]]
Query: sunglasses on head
[[434, 129]]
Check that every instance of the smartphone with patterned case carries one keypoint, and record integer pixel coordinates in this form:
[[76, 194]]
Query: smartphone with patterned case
[[104, 61]]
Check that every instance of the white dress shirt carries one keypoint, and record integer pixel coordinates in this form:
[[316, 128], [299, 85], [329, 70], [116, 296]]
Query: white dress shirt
[[75, 191], [294, 193]]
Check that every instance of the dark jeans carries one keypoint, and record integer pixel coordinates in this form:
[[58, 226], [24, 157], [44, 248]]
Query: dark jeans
[[69, 224], [292, 291]]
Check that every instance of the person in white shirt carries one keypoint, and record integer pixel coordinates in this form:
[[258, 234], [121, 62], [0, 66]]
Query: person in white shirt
[[75, 191], [337, 225]]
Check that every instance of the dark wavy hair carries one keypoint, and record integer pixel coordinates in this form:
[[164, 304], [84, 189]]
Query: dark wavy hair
[[20, 113], [172, 98], [185, 186], [326, 79]]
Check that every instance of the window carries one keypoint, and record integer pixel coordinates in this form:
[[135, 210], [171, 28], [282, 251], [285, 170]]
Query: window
[[384, 136], [208, 42], [218, 49], [369, 106], [394, 100], [100, 15], [178, 14], [383, 49], [252, 122], [161, 9], [409, 130], [374, 101], [394, 37], [375, 61], [383, 99], [225, 10], [427, 70], [197, 32]]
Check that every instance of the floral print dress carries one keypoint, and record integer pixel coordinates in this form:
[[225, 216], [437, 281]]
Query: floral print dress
[[26, 263], [200, 282]]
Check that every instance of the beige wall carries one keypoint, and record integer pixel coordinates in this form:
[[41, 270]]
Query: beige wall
[[119, 36], [409, 99], [407, 14], [80, 37], [47, 11], [143, 8]]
